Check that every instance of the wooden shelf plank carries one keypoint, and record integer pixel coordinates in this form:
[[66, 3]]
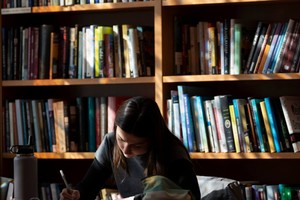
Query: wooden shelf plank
[[52, 155], [245, 155], [93, 7], [194, 155], [203, 2], [60, 82], [240, 77]]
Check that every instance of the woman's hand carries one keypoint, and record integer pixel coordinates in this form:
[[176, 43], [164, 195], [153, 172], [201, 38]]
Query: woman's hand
[[69, 194]]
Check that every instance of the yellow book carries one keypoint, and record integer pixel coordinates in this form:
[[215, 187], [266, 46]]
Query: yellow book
[[234, 129], [267, 126], [96, 47]]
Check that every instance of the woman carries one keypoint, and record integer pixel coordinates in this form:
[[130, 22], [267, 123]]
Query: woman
[[141, 146]]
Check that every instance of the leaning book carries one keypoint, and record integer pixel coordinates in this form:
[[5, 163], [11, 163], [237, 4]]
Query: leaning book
[[291, 110]]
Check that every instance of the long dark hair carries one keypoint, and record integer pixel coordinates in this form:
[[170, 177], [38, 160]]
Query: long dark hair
[[141, 117]]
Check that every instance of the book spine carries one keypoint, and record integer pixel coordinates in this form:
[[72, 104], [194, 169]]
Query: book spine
[[273, 124], [224, 100], [267, 126], [189, 124]]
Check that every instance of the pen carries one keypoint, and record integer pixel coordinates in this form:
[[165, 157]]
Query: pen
[[64, 179]]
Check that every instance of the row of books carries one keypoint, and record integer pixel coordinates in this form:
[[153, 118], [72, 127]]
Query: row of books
[[92, 51], [76, 125], [275, 48], [31, 3], [234, 46], [255, 191], [222, 123], [47, 191]]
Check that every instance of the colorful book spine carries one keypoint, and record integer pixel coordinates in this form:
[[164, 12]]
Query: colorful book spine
[[273, 124]]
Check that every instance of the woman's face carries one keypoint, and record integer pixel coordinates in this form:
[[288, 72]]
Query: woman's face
[[131, 145]]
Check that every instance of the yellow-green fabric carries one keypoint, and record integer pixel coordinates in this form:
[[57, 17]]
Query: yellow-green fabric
[[162, 188]]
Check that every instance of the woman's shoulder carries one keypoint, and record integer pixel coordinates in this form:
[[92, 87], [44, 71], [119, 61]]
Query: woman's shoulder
[[110, 136], [175, 149], [106, 147]]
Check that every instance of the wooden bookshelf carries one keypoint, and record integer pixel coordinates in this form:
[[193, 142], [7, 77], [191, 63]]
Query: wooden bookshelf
[[159, 14]]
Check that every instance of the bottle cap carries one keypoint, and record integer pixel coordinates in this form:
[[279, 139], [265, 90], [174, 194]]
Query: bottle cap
[[21, 149]]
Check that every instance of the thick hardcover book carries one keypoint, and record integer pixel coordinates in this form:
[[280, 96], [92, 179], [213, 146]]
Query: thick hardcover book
[[59, 124], [44, 51], [37, 128], [225, 101], [54, 45], [108, 51], [118, 60], [134, 53], [73, 46], [291, 110], [282, 127], [63, 52]]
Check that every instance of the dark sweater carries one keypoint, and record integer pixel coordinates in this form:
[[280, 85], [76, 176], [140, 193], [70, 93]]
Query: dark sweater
[[179, 170]]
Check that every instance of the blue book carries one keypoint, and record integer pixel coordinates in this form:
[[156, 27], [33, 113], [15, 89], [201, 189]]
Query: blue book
[[239, 110], [182, 89], [49, 127], [273, 124], [91, 125], [259, 127], [200, 123], [277, 50], [272, 47], [189, 124]]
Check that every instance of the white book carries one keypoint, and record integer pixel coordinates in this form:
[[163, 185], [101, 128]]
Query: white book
[[291, 110], [69, 2], [134, 53], [59, 125], [90, 52], [212, 130], [220, 124]]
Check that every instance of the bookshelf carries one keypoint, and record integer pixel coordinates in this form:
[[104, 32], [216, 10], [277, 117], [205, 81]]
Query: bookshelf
[[264, 167]]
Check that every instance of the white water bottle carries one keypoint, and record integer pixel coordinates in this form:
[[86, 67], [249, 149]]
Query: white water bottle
[[25, 173]]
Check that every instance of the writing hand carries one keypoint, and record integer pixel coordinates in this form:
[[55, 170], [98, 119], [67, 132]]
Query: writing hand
[[69, 194]]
